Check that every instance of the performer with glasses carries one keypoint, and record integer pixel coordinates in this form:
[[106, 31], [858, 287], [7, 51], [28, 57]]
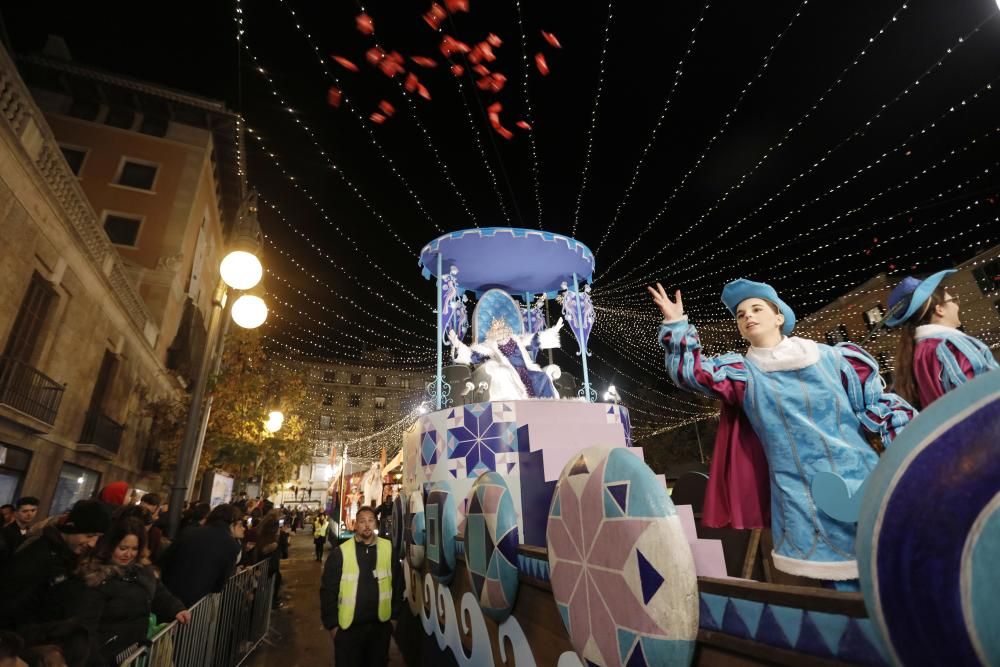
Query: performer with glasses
[[933, 356]]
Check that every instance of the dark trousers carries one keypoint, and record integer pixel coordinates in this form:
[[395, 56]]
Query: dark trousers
[[319, 542], [362, 645]]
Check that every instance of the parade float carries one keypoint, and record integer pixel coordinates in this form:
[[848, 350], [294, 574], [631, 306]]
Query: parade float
[[532, 533]]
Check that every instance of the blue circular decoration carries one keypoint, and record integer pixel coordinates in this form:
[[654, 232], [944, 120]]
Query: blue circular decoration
[[929, 533], [509, 258], [439, 512], [621, 570], [491, 540], [415, 535]]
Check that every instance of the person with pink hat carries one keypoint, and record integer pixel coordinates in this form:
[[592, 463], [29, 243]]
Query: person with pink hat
[[793, 412], [933, 356]]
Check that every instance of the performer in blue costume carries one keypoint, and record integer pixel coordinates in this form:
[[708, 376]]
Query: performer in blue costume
[[933, 356], [791, 408]]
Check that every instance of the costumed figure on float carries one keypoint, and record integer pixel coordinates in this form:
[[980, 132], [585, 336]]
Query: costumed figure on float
[[934, 356], [794, 414]]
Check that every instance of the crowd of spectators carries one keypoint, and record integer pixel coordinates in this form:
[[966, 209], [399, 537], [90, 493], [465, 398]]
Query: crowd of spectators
[[83, 586]]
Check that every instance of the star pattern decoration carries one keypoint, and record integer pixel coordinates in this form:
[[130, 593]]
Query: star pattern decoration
[[479, 438]]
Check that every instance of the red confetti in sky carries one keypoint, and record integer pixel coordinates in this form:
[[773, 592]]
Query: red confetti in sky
[[551, 39], [364, 24], [435, 15], [386, 108], [524, 125], [424, 62], [540, 63], [451, 46], [411, 82], [457, 69], [455, 6], [334, 97], [423, 92], [345, 63], [493, 40], [377, 118]]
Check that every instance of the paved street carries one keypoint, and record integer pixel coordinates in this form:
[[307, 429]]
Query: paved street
[[297, 638]]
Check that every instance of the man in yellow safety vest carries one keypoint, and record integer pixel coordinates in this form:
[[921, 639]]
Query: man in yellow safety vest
[[360, 595]]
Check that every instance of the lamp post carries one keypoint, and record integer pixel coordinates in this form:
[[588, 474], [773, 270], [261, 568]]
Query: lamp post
[[240, 270]]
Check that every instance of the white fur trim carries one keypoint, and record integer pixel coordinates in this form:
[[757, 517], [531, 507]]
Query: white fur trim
[[790, 354], [553, 371], [926, 330], [461, 353], [548, 338], [837, 570]]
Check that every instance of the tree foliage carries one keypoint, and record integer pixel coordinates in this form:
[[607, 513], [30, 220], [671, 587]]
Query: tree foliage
[[246, 388]]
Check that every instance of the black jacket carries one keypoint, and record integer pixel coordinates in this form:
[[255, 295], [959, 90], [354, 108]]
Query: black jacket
[[12, 537], [200, 562], [115, 603], [366, 604], [33, 588]]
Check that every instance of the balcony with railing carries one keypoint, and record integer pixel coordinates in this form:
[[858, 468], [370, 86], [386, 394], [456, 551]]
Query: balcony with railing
[[25, 389], [101, 430]]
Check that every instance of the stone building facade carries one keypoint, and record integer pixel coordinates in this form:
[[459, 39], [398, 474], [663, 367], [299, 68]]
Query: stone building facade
[[115, 196]]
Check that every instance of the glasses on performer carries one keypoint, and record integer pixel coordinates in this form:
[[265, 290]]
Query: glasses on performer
[[957, 300]]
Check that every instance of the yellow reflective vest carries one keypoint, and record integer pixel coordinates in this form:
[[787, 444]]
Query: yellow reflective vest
[[347, 599], [319, 529]]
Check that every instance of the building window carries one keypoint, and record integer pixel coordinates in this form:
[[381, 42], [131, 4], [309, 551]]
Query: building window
[[404, 383], [354, 401], [380, 380], [379, 425], [84, 109], [322, 448], [328, 399], [13, 467], [75, 158], [122, 229], [380, 402], [329, 376], [139, 175], [74, 483], [353, 423], [988, 277], [325, 422], [873, 316], [355, 378], [120, 117], [30, 318], [153, 125]]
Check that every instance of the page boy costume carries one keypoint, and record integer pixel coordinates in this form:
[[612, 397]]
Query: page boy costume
[[788, 412], [943, 357]]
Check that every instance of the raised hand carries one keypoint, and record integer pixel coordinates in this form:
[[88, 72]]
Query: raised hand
[[672, 310], [558, 325]]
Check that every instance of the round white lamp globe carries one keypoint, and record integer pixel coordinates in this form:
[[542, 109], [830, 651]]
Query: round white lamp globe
[[241, 269], [249, 311], [276, 418]]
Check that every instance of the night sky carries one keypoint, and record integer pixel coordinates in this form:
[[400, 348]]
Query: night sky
[[780, 141]]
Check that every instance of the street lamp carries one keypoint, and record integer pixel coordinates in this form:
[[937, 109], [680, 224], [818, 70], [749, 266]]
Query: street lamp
[[241, 270], [274, 421], [249, 311]]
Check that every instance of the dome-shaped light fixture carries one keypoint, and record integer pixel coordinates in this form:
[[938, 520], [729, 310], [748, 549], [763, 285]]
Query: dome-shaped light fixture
[[274, 422], [241, 269], [249, 311]]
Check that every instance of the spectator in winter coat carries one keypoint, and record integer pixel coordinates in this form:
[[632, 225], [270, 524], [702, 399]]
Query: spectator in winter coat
[[266, 549], [34, 592], [117, 592], [15, 533], [203, 558]]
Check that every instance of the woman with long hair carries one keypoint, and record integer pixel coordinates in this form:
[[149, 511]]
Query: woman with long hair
[[266, 549], [121, 591], [933, 356], [791, 409]]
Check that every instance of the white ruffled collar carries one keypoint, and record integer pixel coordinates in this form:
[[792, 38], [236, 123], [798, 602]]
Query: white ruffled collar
[[792, 353], [927, 330]]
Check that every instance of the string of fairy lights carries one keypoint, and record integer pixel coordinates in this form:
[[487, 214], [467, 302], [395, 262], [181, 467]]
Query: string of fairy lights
[[591, 129], [641, 162], [859, 131], [718, 133], [962, 223]]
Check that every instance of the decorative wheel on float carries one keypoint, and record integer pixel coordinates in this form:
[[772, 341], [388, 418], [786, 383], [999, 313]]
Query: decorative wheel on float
[[622, 572], [415, 534], [929, 533], [491, 539], [398, 529], [440, 519]]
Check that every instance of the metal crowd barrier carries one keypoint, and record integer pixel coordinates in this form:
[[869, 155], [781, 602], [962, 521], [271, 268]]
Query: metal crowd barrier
[[224, 629]]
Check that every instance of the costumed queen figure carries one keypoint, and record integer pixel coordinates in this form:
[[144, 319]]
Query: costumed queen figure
[[791, 408], [933, 356], [509, 360]]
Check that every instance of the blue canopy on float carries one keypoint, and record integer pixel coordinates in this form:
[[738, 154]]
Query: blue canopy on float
[[515, 260]]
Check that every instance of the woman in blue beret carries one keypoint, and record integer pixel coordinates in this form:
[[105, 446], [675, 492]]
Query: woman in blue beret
[[792, 408], [933, 356]]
